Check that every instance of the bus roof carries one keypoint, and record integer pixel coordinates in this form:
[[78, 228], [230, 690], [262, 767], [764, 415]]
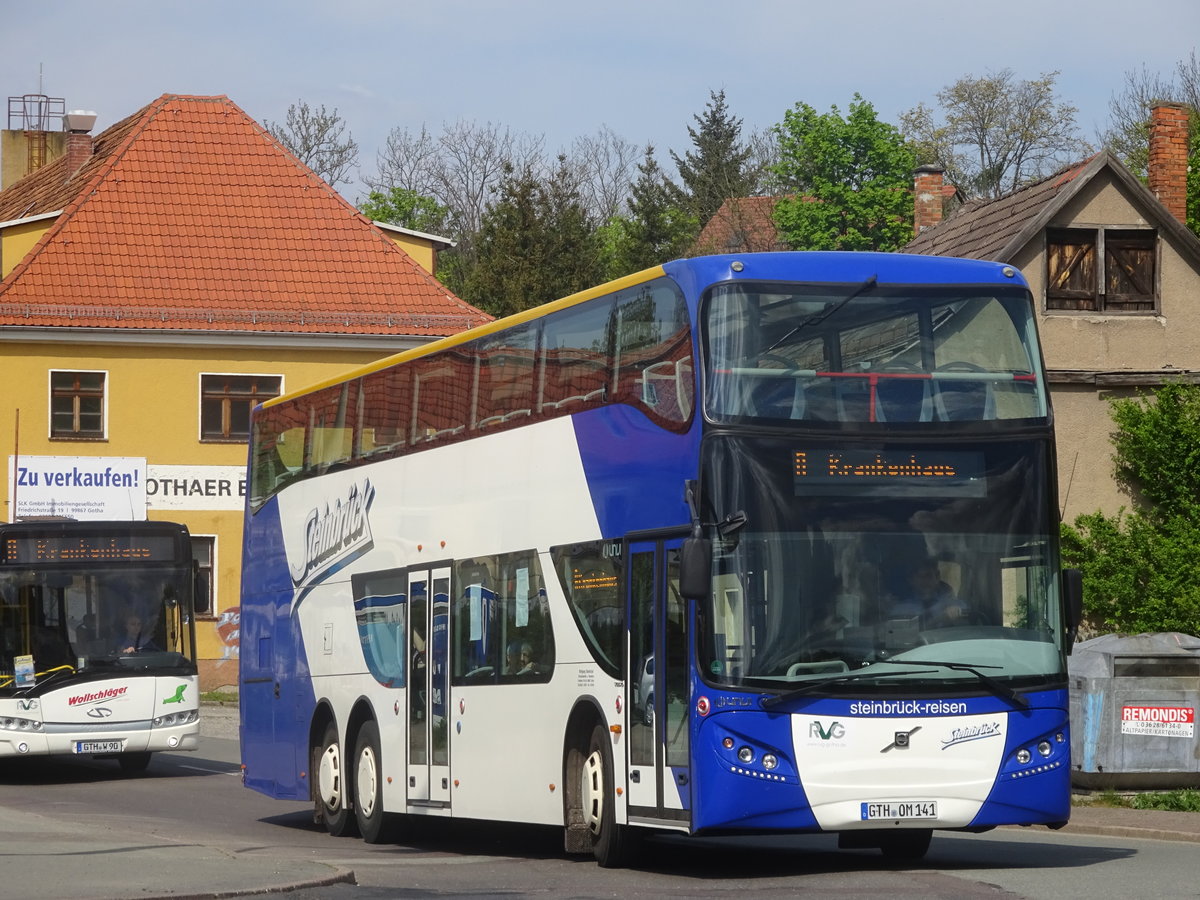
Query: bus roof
[[481, 331], [700, 271]]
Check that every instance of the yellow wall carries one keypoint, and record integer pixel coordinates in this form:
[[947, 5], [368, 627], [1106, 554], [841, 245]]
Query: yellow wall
[[18, 240], [14, 153], [153, 404], [421, 251]]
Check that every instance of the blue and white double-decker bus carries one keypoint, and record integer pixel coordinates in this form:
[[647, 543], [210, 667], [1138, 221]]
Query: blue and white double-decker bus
[[735, 545]]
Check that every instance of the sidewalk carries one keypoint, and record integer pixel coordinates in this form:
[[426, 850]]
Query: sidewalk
[[64, 859], [1149, 824], [219, 720]]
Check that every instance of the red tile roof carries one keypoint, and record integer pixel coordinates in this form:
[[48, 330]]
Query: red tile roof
[[190, 216], [741, 225]]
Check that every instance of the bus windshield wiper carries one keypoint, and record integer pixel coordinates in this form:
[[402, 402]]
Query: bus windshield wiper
[[828, 311], [810, 686], [1003, 691]]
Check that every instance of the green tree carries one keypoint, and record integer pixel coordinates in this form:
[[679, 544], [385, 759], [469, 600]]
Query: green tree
[[719, 165], [657, 229], [848, 180], [998, 132], [1139, 566], [408, 209], [536, 243]]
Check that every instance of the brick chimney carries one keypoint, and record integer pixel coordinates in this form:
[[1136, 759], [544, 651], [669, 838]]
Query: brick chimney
[[78, 125], [928, 192], [1168, 157]]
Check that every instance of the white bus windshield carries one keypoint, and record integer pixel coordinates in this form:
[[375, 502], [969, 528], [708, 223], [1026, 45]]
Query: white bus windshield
[[95, 618]]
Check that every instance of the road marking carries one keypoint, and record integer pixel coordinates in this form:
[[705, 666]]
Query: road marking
[[211, 771]]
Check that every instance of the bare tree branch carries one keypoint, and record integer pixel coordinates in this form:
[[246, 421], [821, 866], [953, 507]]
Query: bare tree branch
[[314, 136]]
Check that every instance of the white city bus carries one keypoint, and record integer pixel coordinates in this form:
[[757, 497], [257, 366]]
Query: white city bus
[[98, 640]]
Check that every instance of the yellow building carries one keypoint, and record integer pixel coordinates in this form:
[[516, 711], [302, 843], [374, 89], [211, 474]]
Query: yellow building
[[157, 282]]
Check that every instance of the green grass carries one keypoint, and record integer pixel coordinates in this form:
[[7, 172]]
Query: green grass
[[219, 697], [1187, 800]]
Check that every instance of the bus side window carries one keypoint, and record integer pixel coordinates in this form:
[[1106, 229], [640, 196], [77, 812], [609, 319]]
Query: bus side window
[[652, 351], [527, 616], [475, 624], [575, 357]]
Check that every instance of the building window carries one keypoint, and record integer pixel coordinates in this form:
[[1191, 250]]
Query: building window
[[77, 404], [226, 401], [1102, 270], [203, 555]]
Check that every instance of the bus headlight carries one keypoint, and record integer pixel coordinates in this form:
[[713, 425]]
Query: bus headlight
[[1045, 749], [1024, 756], [745, 754], [770, 761], [12, 723]]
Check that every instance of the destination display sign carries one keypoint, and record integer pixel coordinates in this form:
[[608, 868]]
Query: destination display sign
[[924, 473], [42, 549]]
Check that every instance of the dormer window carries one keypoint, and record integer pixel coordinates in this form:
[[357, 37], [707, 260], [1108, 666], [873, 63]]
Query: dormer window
[[1107, 270]]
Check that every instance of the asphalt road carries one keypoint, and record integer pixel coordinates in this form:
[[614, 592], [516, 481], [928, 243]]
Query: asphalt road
[[79, 829]]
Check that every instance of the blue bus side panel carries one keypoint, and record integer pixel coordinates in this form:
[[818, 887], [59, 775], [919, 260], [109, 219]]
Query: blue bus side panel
[[1040, 791], [274, 728], [635, 471]]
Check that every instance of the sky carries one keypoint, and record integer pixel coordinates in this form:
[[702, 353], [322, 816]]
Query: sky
[[563, 69]]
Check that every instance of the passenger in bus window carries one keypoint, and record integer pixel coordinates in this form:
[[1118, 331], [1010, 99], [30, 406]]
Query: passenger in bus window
[[519, 659]]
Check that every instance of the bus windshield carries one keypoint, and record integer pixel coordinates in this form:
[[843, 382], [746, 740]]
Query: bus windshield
[[843, 562], [93, 616], [864, 353]]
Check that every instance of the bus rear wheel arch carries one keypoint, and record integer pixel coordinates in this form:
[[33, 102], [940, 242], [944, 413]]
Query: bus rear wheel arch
[[369, 812], [330, 785], [591, 802]]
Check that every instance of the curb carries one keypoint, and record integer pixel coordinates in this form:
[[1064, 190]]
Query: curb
[[1130, 831], [339, 876]]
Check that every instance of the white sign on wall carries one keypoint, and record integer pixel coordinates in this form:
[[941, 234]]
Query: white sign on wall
[[80, 487], [196, 487]]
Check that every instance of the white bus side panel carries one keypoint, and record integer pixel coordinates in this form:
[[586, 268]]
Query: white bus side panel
[[505, 740]]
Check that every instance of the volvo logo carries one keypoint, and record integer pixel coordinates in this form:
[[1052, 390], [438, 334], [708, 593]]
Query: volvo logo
[[99, 712], [901, 740]]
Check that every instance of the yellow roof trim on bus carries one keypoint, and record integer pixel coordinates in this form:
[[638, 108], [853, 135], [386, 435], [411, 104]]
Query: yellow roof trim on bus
[[454, 340]]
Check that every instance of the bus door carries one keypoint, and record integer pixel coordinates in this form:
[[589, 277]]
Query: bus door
[[657, 688], [429, 669]]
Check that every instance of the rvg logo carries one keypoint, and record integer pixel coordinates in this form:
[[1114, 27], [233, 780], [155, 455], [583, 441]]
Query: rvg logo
[[836, 730]]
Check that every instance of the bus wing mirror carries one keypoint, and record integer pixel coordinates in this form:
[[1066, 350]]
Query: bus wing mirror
[[1072, 584], [695, 568]]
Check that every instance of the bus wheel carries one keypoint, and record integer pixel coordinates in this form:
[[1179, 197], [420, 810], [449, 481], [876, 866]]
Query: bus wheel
[[906, 845], [330, 784], [612, 844], [133, 763], [368, 784]]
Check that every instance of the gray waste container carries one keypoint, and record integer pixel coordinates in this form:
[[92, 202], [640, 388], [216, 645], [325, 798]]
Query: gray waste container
[[1133, 711]]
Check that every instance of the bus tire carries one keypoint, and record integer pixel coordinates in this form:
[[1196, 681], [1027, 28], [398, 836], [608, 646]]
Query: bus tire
[[329, 783], [612, 844], [909, 845], [368, 784], [133, 763]]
